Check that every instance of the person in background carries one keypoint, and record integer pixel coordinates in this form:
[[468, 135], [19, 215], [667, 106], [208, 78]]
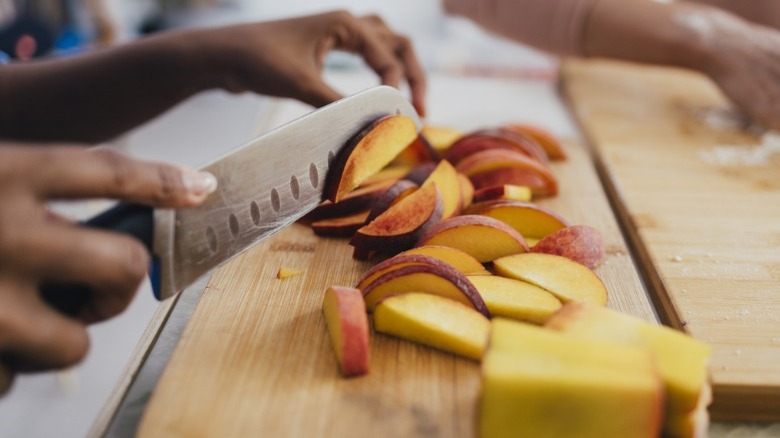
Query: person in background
[[96, 96], [740, 56]]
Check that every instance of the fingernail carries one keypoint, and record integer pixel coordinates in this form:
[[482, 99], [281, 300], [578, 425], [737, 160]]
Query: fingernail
[[199, 183]]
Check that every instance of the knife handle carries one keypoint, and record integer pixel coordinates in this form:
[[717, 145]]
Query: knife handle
[[134, 220]]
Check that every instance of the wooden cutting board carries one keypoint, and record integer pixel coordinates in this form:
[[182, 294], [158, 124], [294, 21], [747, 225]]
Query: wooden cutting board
[[255, 358], [700, 198]]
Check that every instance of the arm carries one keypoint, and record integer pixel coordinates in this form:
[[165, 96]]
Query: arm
[[743, 59], [99, 95]]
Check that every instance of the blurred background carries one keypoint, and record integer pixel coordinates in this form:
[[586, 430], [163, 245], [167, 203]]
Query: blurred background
[[66, 403]]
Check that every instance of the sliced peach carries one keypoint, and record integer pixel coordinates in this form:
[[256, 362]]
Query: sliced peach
[[418, 174], [434, 321], [466, 190], [354, 202], [446, 180], [546, 140], [482, 237], [515, 299], [388, 174], [419, 151], [440, 137], [399, 190], [495, 138], [567, 280], [460, 260], [530, 220], [512, 168], [368, 152], [580, 243], [504, 192], [345, 316], [340, 226], [402, 224], [285, 272], [437, 279], [681, 359], [538, 383], [398, 261]]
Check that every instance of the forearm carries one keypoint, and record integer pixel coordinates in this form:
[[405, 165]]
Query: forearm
[[766, 12], [96, 96], [676, 34]]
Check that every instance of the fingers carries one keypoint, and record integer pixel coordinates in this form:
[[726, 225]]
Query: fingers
[[57, 253], [6, 378], [70, 172], [34, 337], [390, 55]]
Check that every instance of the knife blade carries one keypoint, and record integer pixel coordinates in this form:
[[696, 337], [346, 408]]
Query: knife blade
[[263, 186]]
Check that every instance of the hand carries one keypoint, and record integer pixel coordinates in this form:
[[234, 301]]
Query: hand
[[744, 60], [38, 246], [285, 58]]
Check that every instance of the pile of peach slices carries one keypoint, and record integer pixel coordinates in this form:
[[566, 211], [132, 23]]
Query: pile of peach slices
[[473, 267]]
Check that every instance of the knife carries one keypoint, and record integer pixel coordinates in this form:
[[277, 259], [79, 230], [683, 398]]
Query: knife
[[263, 186]]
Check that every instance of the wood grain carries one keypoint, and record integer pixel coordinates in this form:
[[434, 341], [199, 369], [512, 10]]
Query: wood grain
[[255, 359], [701, 207]]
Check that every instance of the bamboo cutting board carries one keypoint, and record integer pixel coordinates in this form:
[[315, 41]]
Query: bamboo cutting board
[[255, 358], [700, 197]]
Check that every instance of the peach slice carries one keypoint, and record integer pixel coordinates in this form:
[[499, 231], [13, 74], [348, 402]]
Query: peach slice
[[580, 243], [496, 138], [466, 190], [530, 220], [682, 360], [567, 280], [434, 321], [399, 190], [446, 180], [515, 299], [437, 279], [544, 138], [388, 174], [368, 152], [539, 383], [345, 316], [340, 226], [484, 238], [285, 272], [499, 166], [399, 227], [419, 151], [393, 263], [354, 202], [459, 260], [418, 174], [440, 137], [504, 192]]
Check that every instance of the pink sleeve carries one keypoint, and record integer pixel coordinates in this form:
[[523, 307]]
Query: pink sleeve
[[556, 26]]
